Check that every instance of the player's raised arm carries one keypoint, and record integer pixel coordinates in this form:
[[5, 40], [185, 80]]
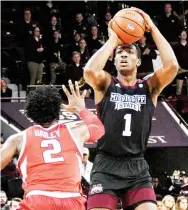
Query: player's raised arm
[[167, 73], [94, 74], [92, 129], [8, 150]]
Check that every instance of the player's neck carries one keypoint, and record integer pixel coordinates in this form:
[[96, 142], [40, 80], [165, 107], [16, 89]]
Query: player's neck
[[47, 125], [128, 80]]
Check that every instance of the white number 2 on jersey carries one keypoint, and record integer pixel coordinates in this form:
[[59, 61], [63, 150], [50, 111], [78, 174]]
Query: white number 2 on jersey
[[48, 153], [127, 131]]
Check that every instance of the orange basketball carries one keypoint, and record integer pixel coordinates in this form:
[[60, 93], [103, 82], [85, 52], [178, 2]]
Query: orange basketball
[[128, 25]]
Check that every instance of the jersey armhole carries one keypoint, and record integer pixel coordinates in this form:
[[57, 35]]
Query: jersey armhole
[[107, 90], [23, 148], [148, 90]]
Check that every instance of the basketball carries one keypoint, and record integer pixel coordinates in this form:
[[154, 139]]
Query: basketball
[[128, 25]]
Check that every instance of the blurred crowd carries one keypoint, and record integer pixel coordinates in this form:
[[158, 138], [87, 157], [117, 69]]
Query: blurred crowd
[[55, 50]]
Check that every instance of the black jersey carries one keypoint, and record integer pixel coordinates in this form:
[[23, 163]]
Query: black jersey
[[126, 113]]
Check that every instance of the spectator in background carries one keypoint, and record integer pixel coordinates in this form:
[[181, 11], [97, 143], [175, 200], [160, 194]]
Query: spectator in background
[[104, 25], [157, 187], [5, 91], [83, 50], [169, 24], [56, 56], [182, 203], [74, 46], [3, 198], [160, 206], [47, 12], [50, 28], [14, 204], [93, 41], [25, 28], [74, 71], [169, 202], [147, 54], [34, 57], [181, 52], [86, 165], [80, 25]]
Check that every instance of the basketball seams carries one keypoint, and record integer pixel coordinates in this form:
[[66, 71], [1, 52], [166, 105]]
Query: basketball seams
[[124, 30], [130, 20]]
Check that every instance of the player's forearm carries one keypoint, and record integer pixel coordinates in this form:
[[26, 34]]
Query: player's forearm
[[95, 126], [99, 59], [166, 53]]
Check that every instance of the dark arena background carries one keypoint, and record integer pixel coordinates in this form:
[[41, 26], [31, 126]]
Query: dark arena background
[[81, 29]]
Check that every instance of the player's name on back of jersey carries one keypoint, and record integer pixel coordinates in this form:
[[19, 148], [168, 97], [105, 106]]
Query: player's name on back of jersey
[[47, 135]]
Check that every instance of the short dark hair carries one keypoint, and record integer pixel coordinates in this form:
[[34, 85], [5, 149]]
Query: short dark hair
[[43, 104], [137, 49], [27, 9]]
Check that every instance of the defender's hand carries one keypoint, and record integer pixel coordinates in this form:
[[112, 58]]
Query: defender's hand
[[75, 100], [149, 23]]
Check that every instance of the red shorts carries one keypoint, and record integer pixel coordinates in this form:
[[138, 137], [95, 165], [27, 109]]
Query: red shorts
[[42, 202], [130, 199]]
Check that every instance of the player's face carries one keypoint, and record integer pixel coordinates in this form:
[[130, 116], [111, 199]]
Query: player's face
[[160, 205], [169, 202], [15, 205], [3, 198], [3, 84], [76, 58], [126, 60], [168, 8], [54, 21], [183, 204], [142, 40], [183, 35], [79, 18]]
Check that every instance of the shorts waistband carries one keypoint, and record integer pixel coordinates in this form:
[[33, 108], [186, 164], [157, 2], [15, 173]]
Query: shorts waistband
[[53, 194], [124, 157]]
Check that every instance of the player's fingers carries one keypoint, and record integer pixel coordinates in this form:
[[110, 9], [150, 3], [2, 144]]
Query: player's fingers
[[77, 89], [66, 91], [72, 88], [141, 12], [84, 94]]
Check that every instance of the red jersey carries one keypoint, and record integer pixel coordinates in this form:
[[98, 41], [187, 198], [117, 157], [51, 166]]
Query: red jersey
[[50, 160]]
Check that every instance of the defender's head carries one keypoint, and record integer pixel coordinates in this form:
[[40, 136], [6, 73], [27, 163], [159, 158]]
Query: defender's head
[[43, 105], [127, 59]]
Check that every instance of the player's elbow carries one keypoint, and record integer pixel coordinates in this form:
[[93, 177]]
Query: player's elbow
[[175, 66]]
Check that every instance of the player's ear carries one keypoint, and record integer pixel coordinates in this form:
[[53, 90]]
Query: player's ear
[[138, 62], [115, 61]]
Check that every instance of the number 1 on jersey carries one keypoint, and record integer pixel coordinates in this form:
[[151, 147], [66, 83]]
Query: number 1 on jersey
[[127, 131]]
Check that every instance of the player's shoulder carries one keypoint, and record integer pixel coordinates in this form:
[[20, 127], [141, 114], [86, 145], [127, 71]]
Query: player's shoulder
[[16, 137]]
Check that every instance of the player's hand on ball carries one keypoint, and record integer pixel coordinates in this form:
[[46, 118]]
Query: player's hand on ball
[[148, 20], [113, 35], [75, 99]]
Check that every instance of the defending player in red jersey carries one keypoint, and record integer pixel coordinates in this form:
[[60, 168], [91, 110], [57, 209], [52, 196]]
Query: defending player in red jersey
[[50, 152]]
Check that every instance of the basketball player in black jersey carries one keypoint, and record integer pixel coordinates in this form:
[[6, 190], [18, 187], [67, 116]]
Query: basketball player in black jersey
[[125, 105]]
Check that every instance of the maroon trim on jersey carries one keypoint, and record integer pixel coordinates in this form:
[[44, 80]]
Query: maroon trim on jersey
[[138, 195], [102, 201], [133, 86]]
